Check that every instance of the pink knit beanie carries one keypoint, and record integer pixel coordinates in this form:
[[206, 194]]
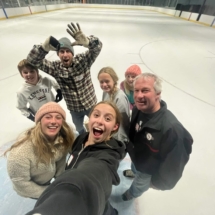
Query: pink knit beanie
[[133, 70], [50, 107]]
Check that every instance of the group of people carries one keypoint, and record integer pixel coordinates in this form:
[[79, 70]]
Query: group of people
[[158, 144]]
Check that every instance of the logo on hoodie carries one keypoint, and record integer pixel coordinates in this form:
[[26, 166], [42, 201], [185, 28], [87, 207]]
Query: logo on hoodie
[[39, 94]]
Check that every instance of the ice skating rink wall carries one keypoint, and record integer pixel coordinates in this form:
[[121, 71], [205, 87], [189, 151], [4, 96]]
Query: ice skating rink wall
[[6, 13]]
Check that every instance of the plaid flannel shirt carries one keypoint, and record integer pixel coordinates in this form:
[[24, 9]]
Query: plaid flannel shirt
[[75, 81]]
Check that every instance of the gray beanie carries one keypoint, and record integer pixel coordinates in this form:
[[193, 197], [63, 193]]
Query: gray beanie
[[65, 43]]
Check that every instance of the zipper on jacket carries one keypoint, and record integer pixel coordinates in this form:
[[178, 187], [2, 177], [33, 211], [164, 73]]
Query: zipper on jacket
[[78, 155]]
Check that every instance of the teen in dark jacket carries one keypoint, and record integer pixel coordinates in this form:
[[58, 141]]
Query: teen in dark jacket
[[86, 185]]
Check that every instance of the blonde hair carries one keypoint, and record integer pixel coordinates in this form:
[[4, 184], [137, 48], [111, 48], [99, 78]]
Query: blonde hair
[[42, 147], [127, 87], [110, 71]]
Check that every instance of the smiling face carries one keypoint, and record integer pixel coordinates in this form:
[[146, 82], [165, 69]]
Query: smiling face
[[31, 76], [102, 122], [146, 98], [65, 56], [106, 82], [51, 124], [130, 79]]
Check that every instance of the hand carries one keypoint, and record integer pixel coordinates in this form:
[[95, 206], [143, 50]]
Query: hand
[[78, 35], [153, 187], [31, 117], [59, 96], [51, 44]]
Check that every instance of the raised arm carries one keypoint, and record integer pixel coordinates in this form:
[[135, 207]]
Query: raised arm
[[37, 55], [92, 43]]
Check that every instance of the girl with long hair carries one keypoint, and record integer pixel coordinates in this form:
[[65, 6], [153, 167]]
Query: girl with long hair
[[39, 155], [108, 80]]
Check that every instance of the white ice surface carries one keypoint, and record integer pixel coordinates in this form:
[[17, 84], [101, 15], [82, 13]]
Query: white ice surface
[[182, 53]]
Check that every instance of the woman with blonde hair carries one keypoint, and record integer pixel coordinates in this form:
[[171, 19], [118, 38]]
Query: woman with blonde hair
[[39, 155], [108, 82]]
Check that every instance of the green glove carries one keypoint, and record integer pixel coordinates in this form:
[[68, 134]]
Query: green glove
[[78, 35], [51, 44]]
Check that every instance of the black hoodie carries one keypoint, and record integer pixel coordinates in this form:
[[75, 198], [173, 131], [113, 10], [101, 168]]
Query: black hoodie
[[110, 152], [85, 186]]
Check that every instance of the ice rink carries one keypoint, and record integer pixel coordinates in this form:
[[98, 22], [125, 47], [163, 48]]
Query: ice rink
[[182, 53]]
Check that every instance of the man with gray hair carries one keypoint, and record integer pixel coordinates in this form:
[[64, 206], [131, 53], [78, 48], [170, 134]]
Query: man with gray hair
[[159, 145], [71, 72]]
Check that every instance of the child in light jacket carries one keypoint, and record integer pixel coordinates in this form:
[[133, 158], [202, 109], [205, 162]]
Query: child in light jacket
[[36, 91]]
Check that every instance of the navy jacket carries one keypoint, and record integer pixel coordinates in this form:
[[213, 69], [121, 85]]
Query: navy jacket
[[160, 148]]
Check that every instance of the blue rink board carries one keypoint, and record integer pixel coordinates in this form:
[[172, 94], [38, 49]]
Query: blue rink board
[[13, 204]]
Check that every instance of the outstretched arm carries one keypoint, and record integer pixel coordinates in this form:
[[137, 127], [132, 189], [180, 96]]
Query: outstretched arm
[[81, 191]]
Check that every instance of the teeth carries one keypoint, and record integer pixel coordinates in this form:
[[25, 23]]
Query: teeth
[[99, 129], [52, 127]]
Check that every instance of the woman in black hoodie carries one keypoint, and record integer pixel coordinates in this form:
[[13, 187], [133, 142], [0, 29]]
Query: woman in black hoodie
[[85, 186]]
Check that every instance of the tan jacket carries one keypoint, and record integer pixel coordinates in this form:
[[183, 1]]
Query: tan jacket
[[30, 180]]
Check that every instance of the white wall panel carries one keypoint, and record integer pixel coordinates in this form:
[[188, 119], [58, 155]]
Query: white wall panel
[[194, 16], [166, 11], [56, 7], [206, 19], [37, 9], [2, 15], [177, 13], [185, 15], [213, 24], [11, 12]]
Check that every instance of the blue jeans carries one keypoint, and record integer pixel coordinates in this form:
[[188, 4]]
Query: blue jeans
[[78, 119], [140, 184]]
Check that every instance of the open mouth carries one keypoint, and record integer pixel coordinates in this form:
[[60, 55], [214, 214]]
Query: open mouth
[[142, 102], [66, 61], [97, 132], [52, 127]]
